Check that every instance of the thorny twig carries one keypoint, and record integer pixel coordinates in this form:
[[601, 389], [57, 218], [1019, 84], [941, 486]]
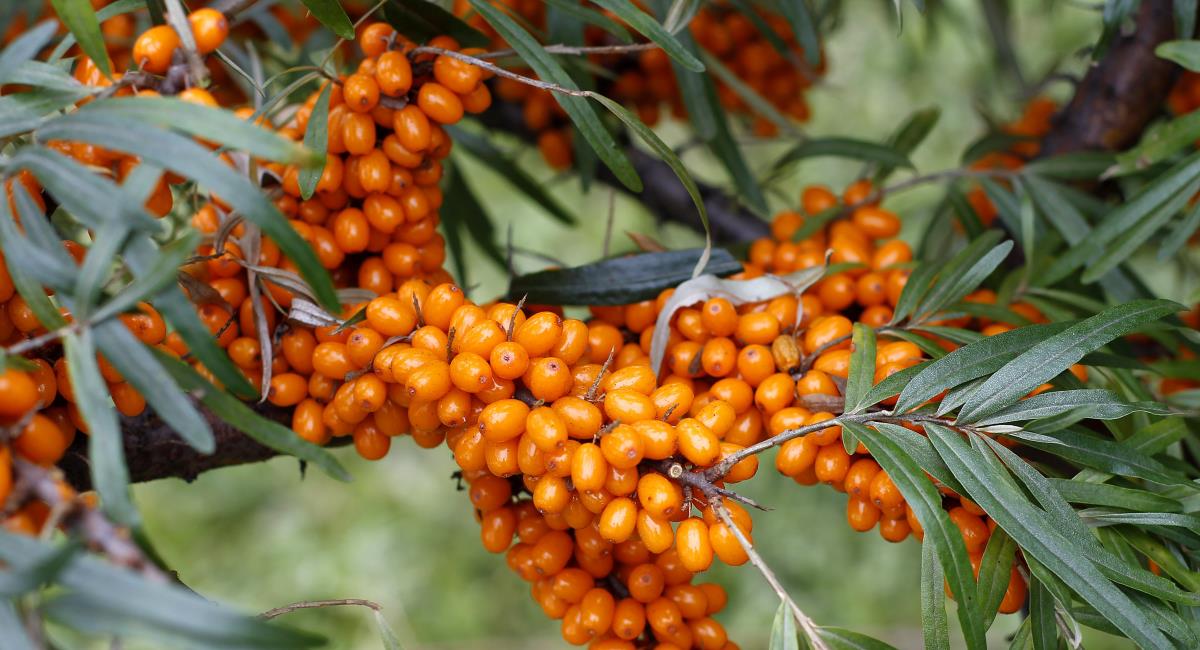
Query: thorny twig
[[316, 604]]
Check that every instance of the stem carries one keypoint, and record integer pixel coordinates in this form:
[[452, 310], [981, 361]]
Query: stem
[[315, 604], [502, 72], [574, 50], [806, 624]]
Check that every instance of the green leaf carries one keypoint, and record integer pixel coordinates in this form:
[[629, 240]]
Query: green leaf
[[1096, 403], [618, 281], [699, 95], [1044, 630], [729, 153], [1126, 244], [91, 198], [421, 20], [1038, 537], [16, 253], [1185, 18], [1185, 53], [919, 283], [1100, 453], [1076, 166], [783, 630], [647, 26], [1146, 519], [926, 503], [837, 638], [316, 139], [462, 210], [331, 15], [26, 111], [995, 571], [907, 137], [18, 581], [971, 362], [842, 147], [386, 635], [183, 156], [963, 274], [482, 149], [1047, 359], [804, 26], [210, 123], [244, 419], [861, 375], [24, 48], [12, 628], [577, 108], [106, 451], [1180, 234], [933, 601], [80, 18], [1065, 520], [1113, 496]]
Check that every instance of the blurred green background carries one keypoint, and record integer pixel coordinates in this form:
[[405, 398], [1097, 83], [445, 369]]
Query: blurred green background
[[262, 536]]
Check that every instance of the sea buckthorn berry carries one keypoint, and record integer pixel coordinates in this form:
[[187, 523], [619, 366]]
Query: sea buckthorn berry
[[796, 455], [287, 389], [503, 420], [546, 428], [718, 416], [884, 493], [456, 74], [660, 497], [391, 317], [689, 598], [628, 406], [859, 477], [674, 399], [623, 447], [639, 379], [744, 469], [645, 583], [539, 333], [549, 378], [374, 38], [589, 469], [697, 442], [726, 546], [719, 317], [755, 364], [975, 533], [42, 441], [583, 419], [757, 328], [470, 372], [876, 222], [831, 464], [816, 199], [815, 382], [209, 28], [774, 393], [834, 362], [18, 394], [412, 128], [719, 357], [509, 360], [861, 514], [1014, 595], [693, 545], [361, 92], [894, 530], [618, 520], [393, 73], [551, 494], [659, 439], [439, 103], [153, 49], [628, 621], [430, 381]]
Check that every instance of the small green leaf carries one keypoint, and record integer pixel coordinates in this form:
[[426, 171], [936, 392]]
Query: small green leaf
[[1185, 53], [783, 630], [591, 17], [1043, 629], [963, 274], [214, 124], [1128, 242], [331, 15], [463, 212], [933, 601], [862, 370], [1113, 496], [80, 18], [1047, 359], [386, 635], [893, 384], [804, 25], [837, 638], [24, 48], [18, 581], [1097, 404], [106, 451], [1180, 233], [1076, 166], [995, 571], [244, 419], [1100, 453], [577, 108], [316, 139], [647, 26], [757, 102], [12, 628], [907, 137], [618, 281]]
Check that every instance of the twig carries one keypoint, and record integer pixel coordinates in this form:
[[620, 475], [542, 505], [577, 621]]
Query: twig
[[502, 72], [575, 50], [315, 604], [810, 628]]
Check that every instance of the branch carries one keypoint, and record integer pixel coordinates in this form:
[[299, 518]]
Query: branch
[[153, 450], [664, 195], [1119, 96]]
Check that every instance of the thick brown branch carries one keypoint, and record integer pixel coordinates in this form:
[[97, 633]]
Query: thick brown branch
[[663, 195], [1119, 96], [153, 450]]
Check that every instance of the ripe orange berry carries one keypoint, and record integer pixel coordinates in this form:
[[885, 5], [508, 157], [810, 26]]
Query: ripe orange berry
[[18, 394], [456, 74], [549, 378], [153, 49], [209, 28], [831, 464], [618, 520], [42, 441], [697, 442], [440, 103]]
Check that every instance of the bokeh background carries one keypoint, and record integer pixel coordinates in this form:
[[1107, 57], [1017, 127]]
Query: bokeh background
[[400, 534]]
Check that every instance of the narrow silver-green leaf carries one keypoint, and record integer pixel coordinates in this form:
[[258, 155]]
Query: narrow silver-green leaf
[[316, 139], [971, 362], [80, 18], [1044, 630], [783, 630], [804, 25], [24, 48], [1113, 496], [933, 601], [862, 369], [647, 26], [331, 15], [1185, 53], [843, 147], [106, 450], [1045, 360], [995, 570], [1096, 403]]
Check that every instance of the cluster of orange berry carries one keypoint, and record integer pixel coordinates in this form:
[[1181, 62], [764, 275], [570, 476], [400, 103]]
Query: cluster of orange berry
[[646, 81], [118, 31], [37, 404]]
